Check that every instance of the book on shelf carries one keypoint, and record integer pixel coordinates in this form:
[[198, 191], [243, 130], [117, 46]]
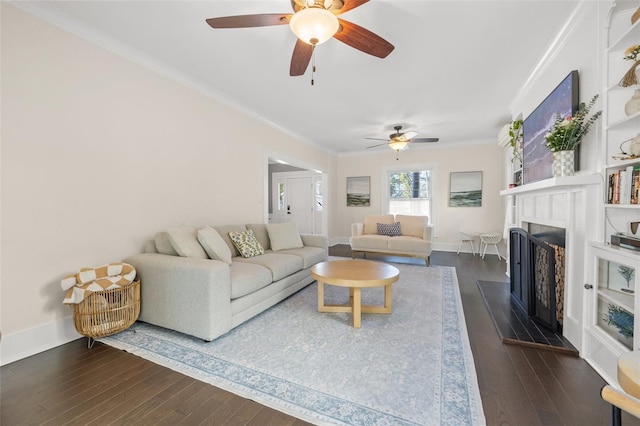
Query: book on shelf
[[624, 186]]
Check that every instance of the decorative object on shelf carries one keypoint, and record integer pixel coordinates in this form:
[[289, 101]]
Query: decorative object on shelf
[[633, 227], [620, 319], [633, 105], [635, 16], [631, 152], [635, 146], [515, 139], [565, 135], [627, 273], [631, 77]]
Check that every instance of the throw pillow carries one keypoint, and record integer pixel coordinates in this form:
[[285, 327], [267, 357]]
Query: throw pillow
[[284, 236], [261, 234], [370, 223], [246, 243], [390, 230], [184, 240], [413, 225], [214, 245], [163, 245]]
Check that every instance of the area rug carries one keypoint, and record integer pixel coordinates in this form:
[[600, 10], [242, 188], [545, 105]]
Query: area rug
[[413, 367]]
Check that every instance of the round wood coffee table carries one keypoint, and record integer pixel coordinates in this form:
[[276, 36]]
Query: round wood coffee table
[[356, 275]]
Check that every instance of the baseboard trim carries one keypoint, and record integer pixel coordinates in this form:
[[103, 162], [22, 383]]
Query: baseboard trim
[[23, 344]]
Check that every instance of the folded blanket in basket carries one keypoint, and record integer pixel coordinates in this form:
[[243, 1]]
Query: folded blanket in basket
[[92, 280]]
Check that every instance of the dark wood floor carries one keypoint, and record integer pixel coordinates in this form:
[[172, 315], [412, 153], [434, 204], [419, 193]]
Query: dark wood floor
[[73, 385]]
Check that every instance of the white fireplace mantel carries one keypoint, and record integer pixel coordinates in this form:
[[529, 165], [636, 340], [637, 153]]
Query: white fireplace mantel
[[572, 203], [564, 182]]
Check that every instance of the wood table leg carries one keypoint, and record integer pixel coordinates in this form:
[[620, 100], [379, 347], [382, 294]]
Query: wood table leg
[[387, 297], [320, 296], [357, 307]]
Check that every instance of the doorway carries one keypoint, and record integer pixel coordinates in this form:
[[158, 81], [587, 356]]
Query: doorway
[[298, 197]]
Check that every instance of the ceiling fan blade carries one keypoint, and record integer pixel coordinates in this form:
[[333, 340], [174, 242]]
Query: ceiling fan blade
[[348, 5], [300, 59], [363, 39], [424, 140], [248, 21], [378, 139], [380, 144], [410, 135], [337, 7]]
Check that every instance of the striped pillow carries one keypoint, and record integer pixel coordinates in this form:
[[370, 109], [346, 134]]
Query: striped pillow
[[390, 230]]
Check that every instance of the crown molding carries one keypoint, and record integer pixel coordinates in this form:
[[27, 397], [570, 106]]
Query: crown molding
[[67, 23], [553, 50]]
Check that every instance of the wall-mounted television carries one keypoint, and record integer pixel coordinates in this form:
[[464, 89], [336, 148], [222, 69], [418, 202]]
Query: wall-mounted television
[[537, 161]]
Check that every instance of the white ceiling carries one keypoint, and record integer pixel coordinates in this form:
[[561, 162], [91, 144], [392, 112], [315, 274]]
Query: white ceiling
[[455, 69]]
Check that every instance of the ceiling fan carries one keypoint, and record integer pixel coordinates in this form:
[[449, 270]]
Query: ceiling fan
[[400, 141], [313, 22]]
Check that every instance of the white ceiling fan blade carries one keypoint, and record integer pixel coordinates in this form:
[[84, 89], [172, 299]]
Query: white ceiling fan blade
[[410, 135]]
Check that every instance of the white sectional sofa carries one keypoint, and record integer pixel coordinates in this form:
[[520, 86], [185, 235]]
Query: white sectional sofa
[[196, 282], [401, 235]]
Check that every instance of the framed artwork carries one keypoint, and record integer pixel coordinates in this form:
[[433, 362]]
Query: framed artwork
[[465, 189], [358, 191]]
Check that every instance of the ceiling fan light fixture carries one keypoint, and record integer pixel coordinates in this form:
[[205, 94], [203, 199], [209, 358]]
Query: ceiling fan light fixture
[[314, 25], [398, 145]]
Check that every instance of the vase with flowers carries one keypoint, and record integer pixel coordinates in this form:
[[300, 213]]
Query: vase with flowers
[[631, 77], [565, 135]]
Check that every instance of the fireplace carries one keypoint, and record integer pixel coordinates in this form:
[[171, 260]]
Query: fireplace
[[537, 259]]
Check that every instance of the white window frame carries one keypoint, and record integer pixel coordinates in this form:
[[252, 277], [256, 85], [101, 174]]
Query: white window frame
[[433, 189]]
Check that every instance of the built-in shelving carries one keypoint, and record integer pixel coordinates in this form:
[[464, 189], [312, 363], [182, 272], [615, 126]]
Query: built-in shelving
[[627, 38], [614, 273]]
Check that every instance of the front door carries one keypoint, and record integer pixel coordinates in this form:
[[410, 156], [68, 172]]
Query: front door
[[299, 198]]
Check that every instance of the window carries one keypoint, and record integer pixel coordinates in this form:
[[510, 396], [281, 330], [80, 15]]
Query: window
[[318, 191], [409, 190], [281, 196]]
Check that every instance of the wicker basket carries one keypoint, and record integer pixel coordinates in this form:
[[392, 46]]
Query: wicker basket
[[107, 312]]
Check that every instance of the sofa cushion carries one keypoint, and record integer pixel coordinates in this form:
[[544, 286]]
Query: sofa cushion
[[371, 223], [310, 255], [163, 245], [369, 242], [246, 243], [261, 234], [412, 225], [247, 278], [392, 230], [409, 245], [284, 236], [150, 247], [214, 245], [184, 240], [224, 233], [280, 265]]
